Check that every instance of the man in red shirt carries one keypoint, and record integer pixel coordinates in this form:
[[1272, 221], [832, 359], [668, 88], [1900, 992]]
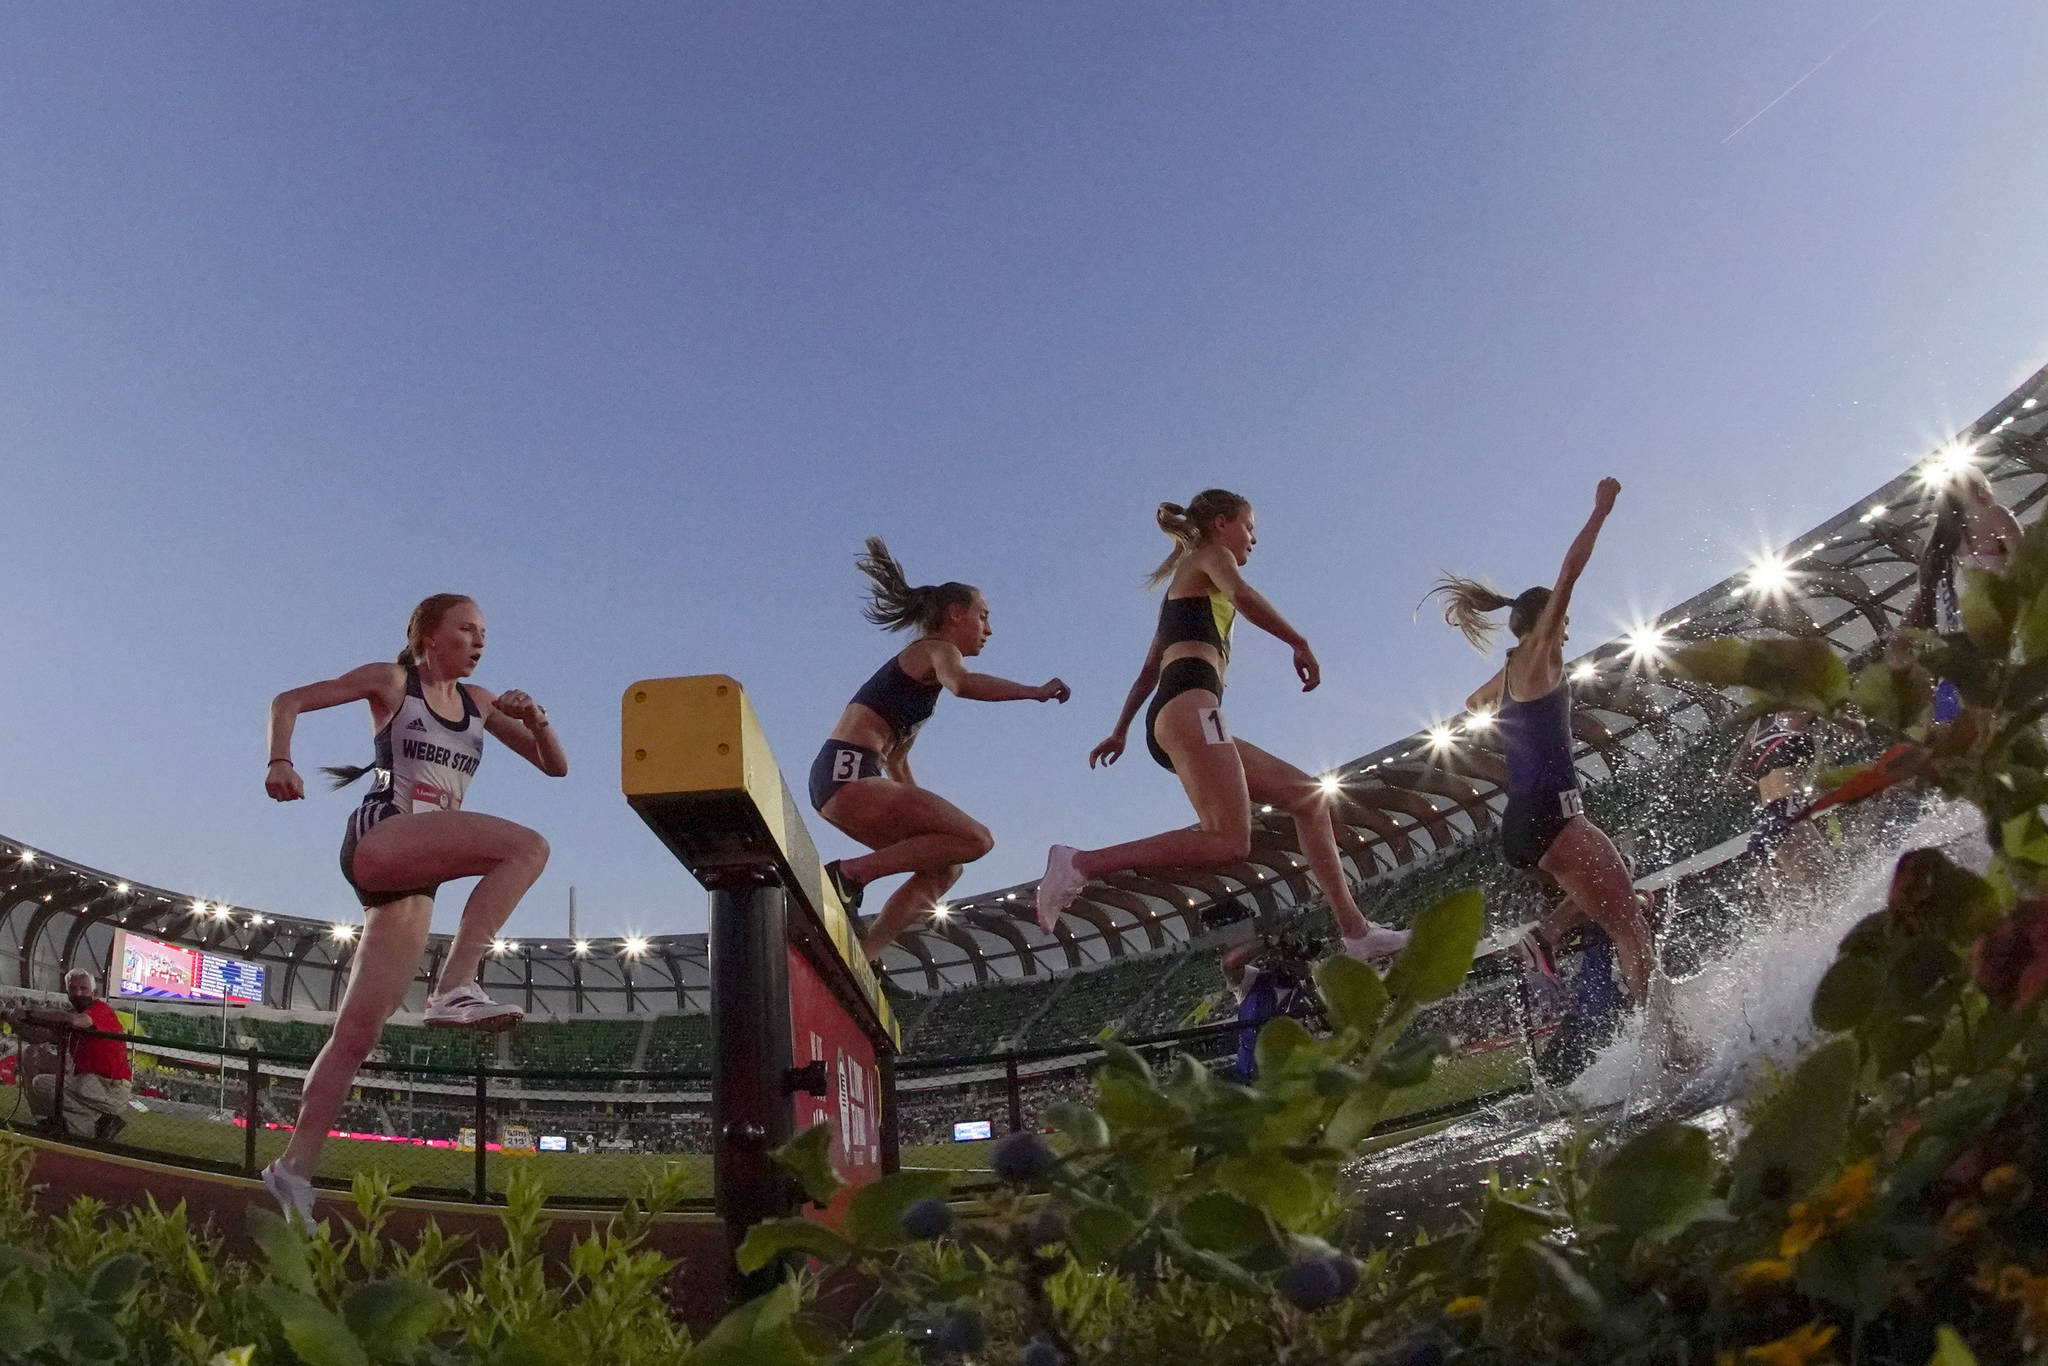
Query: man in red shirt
[[96, 1083]]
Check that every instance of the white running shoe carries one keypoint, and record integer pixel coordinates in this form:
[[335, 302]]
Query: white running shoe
[[1535, 956], [293, 1193], [1060, 885], [467, 1005], [1377, 942]]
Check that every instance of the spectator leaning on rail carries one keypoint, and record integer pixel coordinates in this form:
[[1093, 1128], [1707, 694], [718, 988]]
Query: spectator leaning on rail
[[96, 1086]]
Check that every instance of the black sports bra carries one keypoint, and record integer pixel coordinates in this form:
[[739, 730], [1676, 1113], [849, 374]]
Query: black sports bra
[[1201, 620], [899, 699]]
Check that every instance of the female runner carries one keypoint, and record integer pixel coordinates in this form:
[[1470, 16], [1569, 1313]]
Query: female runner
[[1971, 531], [1185, 732], [861, 781], [1545, 824], [408, 836]]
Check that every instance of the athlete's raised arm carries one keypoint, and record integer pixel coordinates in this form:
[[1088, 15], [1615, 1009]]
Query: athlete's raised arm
[[1549, 629], [1221, 567], [381, 685], [522, 725], [950, 668]]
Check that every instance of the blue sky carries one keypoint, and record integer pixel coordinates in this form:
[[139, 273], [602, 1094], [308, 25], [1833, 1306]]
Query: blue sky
[[633, 321]]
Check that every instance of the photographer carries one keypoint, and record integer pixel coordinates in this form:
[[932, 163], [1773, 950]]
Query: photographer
[[1269, 977], [96, 1089]]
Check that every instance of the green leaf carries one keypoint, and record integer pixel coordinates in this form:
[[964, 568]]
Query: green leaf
[[872, 1211], [2032, 628], [1098, 1232], [284, 1247], [315, 1332], [1220, 1222], [1439, 952], [1897, 1040], [1355, 1118], [758, 1333], [769, 1240], [1655, 1184], [114, 1280], [1798, 1135], [1505, 1224], [1078, 1125], [1411, 1062], [2024, 837], [809, 1156], [1950, 1349], [1353, 992], [1574, 1289], [1800, 668], [890, 1350], [1131, 1106], [1896, 699], [1986, 607], [392, 1317], [1848, 992], [1280, 1039], [1121, 1057], [1270, 1181]]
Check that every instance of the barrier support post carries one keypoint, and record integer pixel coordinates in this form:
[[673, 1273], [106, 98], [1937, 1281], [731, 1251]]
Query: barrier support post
[[892, 1116], [750, 1038], [249, 1116], [1016, 1093], [483, 1095]]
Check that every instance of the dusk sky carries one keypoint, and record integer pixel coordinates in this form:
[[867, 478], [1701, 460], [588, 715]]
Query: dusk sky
[[631, 321]]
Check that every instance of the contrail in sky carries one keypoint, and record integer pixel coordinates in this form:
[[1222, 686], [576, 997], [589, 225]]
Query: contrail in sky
[[1875, 16]]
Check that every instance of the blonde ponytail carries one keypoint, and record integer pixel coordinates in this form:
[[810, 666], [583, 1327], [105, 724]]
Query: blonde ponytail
[[1188, 525]]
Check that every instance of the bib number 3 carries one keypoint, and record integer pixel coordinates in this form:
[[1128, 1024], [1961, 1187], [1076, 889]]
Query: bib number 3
[[1213, 729], [845, 765]]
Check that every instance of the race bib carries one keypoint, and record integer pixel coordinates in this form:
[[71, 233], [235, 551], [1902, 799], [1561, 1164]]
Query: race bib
[[1213, 729], [1570, 803], [845, 765]]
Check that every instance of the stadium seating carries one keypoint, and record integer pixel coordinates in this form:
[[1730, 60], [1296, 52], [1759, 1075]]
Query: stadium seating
[[680, 1043], [436, 1047], [977, 1019], [594, 1045], [1098, 1000], [179, 1027], [289, 1038]]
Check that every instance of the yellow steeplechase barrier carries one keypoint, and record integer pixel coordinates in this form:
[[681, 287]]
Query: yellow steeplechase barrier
[[800, 1029]]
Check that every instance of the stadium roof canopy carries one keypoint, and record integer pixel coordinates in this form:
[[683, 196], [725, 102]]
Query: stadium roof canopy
[[1848, 579]]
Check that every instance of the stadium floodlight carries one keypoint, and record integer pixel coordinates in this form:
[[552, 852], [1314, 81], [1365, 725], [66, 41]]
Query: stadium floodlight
[[1770, 576], [1440, 737], [121, 888], [1265, 811], [1586, 672], [502, 946], [1479, 718], [28, 856], [1646, 641], [941, 911], [221, 910], [1330, 783], [1877, 511], [1947, 465], [580, 947], [634, 945], [343, 934]]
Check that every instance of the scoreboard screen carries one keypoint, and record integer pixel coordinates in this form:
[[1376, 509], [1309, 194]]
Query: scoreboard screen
[[171, 972]]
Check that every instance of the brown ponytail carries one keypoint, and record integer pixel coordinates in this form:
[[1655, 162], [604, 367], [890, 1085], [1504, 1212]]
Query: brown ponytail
[[1189, 525], [1467, 601], [894, 605]]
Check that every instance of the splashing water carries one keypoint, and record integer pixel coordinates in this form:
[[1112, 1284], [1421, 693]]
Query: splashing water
[[1749, 1008], [1745, 1011]]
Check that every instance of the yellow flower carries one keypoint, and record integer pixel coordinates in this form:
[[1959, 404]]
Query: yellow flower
[[2000, 1182], [1962, 1222], [1463, 1305], [1811, 1220], [1759, 1274], [1800, 1347]]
